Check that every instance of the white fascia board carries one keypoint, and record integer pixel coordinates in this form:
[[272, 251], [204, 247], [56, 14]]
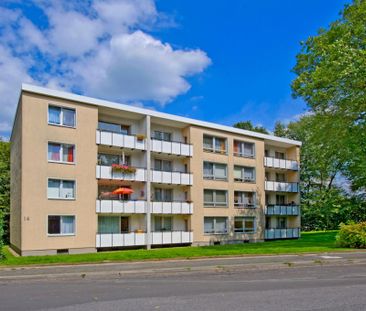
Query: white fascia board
[[103, 103]]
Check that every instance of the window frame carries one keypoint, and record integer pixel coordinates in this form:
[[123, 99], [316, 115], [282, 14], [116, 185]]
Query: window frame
[[242, 179], [60, 234], [214, 225], [61, 152], [215, 204], [213, 149], [243, 219], [242, 205], [213, 171], [162, 133], [243, 155], [61, 182], [62, 108], [162, 163], [163, 217]]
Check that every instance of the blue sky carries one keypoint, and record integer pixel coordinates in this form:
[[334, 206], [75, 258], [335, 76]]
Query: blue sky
[[220, 61]]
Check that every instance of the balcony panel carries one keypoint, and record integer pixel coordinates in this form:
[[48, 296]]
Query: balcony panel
[[106, 172], [281, 163], [171, 208], [121, 207], [275, 234], [281, 186], [176, 178], [171, 147], [119, 140], [289, 210], [171, 237]]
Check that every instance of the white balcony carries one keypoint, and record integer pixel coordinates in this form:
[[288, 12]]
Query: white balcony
[[171, 147], [106, 172], [174, 178], [281, 163], [171, 207], [119, 140], [281, 186], [121, 207], [277, 209], [274, 234], [140, 239]]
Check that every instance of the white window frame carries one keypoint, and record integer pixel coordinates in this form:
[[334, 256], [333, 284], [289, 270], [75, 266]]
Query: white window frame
[[61, 183], [243, 224], [242, 179], [213, 177], [242, 154], [242, 194], [61, 234], [161, 134], [213, 149], [214, 229], [215, 203], [163, 219], [61, 116], [162, 161], [61, 152]]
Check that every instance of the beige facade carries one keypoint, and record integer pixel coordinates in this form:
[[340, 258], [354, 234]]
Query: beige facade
[[192, 182]]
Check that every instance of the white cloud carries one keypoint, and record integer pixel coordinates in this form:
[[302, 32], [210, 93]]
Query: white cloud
[[102, 49]]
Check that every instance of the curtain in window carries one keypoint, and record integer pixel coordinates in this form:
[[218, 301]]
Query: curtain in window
[[248, 149], [167, 195], [220, 197], [67, 189], [108, 159], [237, 173], [249, 224], [207, 142], [208, 196], [54, 152], [68, 153], [207, 169], [53, 190], [238, 224], [220, 224], [108, 224], [68, 117], [209, 224], [167, 223], [249, 173], [220, 171], [54, 225], [236, 147], [54, 115], [67, 224], [158, 223], [111, 127]]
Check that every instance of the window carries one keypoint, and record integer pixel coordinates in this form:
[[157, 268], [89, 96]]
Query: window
[[61, 225], [215, 225], [215, 198], [162, 165], [113, 127], [244, 173], [244, 224], [216, 171], [109, 159], [244, 149], [279, 155], [163, 223], [163, 195], [280, 199], [214, 144], [162, 136], [61, 153], [243, 199], [61, 116], [280, 177], [281, 222], [61, 189], [108, 224]]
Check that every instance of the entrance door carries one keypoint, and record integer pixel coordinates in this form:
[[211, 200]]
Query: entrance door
[[125, 228]]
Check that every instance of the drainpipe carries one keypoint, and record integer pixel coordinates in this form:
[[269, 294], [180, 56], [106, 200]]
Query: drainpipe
[[148, 182]]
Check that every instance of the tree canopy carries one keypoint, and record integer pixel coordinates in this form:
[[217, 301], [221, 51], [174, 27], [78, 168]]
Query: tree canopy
[[248, 125]]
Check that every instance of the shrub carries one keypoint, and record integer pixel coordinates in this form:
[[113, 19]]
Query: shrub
[[1, 235], [352, 235]]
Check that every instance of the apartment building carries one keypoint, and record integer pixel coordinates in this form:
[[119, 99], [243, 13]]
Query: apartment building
[[90, 175]]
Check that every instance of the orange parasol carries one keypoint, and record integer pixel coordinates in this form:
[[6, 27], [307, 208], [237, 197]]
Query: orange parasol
[[123, 191]]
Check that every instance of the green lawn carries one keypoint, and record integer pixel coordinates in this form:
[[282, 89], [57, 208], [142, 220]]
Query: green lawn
[[309, 242]]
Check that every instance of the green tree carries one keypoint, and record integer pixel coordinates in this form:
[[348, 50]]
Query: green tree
[[331, 77], [280, 129], [247, 125], [5, 187]]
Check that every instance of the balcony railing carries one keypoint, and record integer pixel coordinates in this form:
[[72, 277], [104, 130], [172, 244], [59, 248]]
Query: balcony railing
[[175, 178], [281, 186], [173, 207], [109, 138], [121, 207], [245, 205], [274, 234], [171, 147], [140, 239], [282, 209], [106, 172], [281, 163]]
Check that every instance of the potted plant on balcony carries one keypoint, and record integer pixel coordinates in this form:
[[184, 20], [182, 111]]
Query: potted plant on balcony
[[125, 169], [140, 137]]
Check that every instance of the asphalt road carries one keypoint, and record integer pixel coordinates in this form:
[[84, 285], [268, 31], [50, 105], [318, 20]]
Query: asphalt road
[[312, 282]]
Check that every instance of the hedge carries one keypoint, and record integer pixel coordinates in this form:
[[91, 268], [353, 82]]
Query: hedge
[[352, 235]]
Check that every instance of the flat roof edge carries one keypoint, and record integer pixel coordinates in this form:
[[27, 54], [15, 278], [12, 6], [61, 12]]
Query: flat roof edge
[[108, 104]]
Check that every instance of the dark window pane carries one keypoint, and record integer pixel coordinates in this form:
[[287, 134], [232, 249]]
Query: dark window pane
[[54, 225]]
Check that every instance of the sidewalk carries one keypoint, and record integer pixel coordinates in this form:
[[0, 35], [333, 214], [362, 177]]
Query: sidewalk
[[207, 265]]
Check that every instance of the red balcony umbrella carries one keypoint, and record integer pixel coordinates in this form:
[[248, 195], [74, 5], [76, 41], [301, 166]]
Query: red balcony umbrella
[[123, 190]]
